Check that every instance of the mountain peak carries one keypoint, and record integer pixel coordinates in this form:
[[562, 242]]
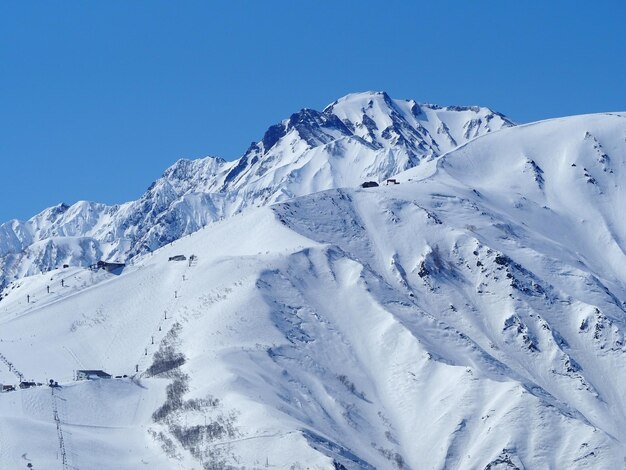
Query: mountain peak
[[364, 99]]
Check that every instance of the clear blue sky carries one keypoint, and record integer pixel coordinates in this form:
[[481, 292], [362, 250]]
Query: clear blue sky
[[97, 98]]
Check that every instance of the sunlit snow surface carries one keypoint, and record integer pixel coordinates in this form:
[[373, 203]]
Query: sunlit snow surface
[[471, 316]]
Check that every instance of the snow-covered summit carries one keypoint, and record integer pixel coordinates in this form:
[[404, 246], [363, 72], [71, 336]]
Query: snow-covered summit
[[384, 121], [359, 137]]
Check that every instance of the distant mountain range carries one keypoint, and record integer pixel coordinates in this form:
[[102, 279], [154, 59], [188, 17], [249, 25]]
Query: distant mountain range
[[364, 136]]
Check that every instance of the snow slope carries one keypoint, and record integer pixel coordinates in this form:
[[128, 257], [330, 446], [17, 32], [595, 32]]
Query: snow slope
[[470, 317], [361, 136]]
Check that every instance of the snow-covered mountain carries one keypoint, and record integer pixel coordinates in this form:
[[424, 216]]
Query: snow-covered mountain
[[359, 137], [472, 316]]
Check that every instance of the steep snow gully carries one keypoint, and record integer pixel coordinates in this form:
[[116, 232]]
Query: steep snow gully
[[472, 316]]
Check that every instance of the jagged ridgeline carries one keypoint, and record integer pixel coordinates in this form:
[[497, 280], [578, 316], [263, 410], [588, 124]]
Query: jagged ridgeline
[[361, 136]]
